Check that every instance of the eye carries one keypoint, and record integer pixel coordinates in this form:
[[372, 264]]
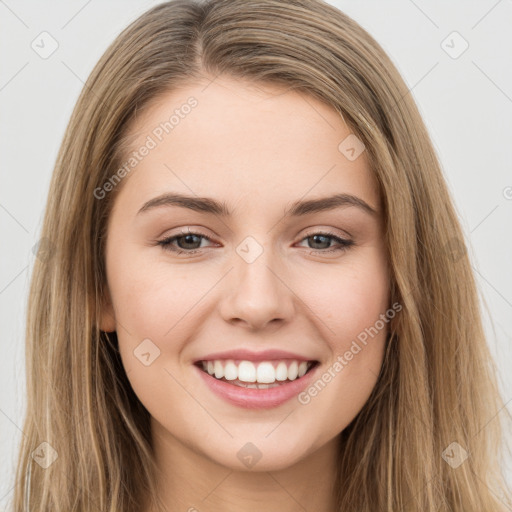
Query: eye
[[187, 242], [324, 238]]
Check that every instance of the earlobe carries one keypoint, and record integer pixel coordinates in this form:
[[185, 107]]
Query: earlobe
[[107, 316], [107, 323]]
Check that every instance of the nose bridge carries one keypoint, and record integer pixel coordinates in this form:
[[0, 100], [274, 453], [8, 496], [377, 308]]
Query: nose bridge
[[258, 294]]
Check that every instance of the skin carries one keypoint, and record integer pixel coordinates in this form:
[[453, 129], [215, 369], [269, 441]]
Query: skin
[[258, 148]]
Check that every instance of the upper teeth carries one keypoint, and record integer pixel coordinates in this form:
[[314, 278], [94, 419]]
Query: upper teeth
[[266, 372]]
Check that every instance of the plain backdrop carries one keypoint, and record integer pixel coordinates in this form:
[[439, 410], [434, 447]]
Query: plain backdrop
[[455, 56]]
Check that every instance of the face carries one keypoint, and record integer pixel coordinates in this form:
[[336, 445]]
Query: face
[[221, 259]]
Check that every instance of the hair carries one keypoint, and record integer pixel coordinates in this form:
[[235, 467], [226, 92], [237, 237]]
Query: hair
[[437, 383]]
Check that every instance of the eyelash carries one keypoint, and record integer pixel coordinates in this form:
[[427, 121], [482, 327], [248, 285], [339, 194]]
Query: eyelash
[[343, 243]]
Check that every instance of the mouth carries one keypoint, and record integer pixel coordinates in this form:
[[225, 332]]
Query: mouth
[[256, 375]]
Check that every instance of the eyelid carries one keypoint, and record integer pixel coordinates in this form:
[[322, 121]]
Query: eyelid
[[328, 230]]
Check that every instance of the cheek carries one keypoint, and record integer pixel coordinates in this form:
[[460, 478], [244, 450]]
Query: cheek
[[149, 298], [357, 340], [154, 308], [357, 308], [354, 313], [349, 298]]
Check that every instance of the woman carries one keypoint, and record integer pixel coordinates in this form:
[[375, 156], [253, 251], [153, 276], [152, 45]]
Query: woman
[[255, 370]]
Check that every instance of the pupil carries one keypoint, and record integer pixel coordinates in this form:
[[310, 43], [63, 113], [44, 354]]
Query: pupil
[[188, 240], [315, 237]]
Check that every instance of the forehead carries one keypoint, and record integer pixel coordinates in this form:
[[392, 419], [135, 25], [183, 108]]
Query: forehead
[[247, 140]]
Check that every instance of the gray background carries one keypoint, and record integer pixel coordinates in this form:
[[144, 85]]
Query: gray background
[[466, 103]]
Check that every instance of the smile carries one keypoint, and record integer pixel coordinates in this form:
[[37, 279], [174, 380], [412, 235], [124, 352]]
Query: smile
[[253, 385], [261, 375]]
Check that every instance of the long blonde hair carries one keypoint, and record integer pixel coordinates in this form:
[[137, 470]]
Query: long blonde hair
[[437, 385]]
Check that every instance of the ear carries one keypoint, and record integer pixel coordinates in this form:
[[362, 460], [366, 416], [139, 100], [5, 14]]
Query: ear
[[107, 315]]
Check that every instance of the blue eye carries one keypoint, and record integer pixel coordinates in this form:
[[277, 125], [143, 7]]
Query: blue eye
[[343, 244], [186, 239]]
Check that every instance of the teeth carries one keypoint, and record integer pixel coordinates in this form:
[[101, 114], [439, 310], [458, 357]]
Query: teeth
[[230, 371], [258, 375], [293, 370], [265, 373], [218, 368], [281, 371], [303, 368], [246, 372], [255, 386]]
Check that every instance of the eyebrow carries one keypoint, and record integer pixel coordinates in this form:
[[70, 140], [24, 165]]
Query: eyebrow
[[220, 208]]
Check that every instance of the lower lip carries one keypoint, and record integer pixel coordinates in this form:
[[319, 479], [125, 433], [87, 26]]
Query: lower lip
[[250, 398]]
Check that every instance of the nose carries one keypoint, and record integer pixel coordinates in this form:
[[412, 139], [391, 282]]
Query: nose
[[257, 295]]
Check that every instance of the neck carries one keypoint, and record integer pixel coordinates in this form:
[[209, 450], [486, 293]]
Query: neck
[[189, 481]]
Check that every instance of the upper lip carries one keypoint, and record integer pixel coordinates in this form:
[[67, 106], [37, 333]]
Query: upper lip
[[248, 355]]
